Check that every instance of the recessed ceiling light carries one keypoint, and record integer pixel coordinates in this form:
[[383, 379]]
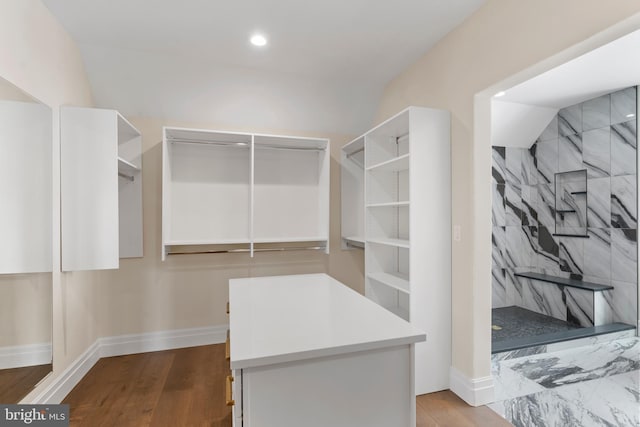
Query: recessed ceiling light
[[499, 94], [630, 116], [258, 40]]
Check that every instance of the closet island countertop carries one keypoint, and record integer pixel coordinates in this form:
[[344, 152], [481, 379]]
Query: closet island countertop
[[281, 319]]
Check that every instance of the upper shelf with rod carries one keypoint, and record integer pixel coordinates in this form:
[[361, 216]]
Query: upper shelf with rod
[[221, 187]]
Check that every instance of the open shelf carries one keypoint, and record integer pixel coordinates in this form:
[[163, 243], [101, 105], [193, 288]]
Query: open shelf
[[396, 164], [207, 242], [290, 239], [388, 204], [396, 281], [355, 241], [126, 166], [225, 188], [398, 243]]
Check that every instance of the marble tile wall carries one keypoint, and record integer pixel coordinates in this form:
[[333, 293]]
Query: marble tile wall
[[599, 136]]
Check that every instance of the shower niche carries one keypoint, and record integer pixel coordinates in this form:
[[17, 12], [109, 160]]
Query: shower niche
[[571, 203]]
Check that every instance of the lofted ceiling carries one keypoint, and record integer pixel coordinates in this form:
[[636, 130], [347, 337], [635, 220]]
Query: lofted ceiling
[[526, 109], [325, 67]]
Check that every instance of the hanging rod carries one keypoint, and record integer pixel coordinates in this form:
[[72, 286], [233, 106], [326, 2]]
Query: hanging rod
[[243, 250], [208, 142], [355, 152], [127, 177], [242, 145], [404, 136]]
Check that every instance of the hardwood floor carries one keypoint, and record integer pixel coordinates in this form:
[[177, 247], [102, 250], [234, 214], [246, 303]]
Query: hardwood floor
[[16, 383], [186, 387]]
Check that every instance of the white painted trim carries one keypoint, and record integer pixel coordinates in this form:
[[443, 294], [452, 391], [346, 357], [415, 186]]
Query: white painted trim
[[120, 345], [25, 355], [65, 382], [163, 340], [474, 391]]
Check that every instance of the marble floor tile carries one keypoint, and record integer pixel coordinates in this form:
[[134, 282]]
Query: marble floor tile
[[552, 371], [546, 409], [509, 384], [594, 385], [615, 399], [588, 341], [516, 354]]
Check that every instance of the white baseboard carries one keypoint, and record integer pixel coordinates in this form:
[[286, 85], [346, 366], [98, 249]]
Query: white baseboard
[[474, 391], [25, 355], [55, 391], [164, 340], [121, 345]]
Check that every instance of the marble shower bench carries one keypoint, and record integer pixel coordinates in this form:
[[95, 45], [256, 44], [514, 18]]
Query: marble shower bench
[[576, 301]]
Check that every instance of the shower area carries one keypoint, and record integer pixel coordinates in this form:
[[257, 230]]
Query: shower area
[[564, 227]]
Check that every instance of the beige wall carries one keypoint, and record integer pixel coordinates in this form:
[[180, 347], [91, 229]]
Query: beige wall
[[38, 56], [187, 291], [145, 295], [25, 309], [500, 39]]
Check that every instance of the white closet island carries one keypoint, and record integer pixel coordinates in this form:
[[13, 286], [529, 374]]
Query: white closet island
[[307, 350]]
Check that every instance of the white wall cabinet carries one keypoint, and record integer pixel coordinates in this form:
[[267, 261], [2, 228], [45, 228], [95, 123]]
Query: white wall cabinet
[[101, 169], [407, 228], [226, 188], [25, 187]]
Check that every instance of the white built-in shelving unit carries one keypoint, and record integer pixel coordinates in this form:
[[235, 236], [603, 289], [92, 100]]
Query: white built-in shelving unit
[[227, 188], [352, 194], [101, 189], [406, 212]]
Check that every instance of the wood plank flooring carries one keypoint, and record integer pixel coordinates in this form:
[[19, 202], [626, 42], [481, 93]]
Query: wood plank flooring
[[16, 383], [185, 387]]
